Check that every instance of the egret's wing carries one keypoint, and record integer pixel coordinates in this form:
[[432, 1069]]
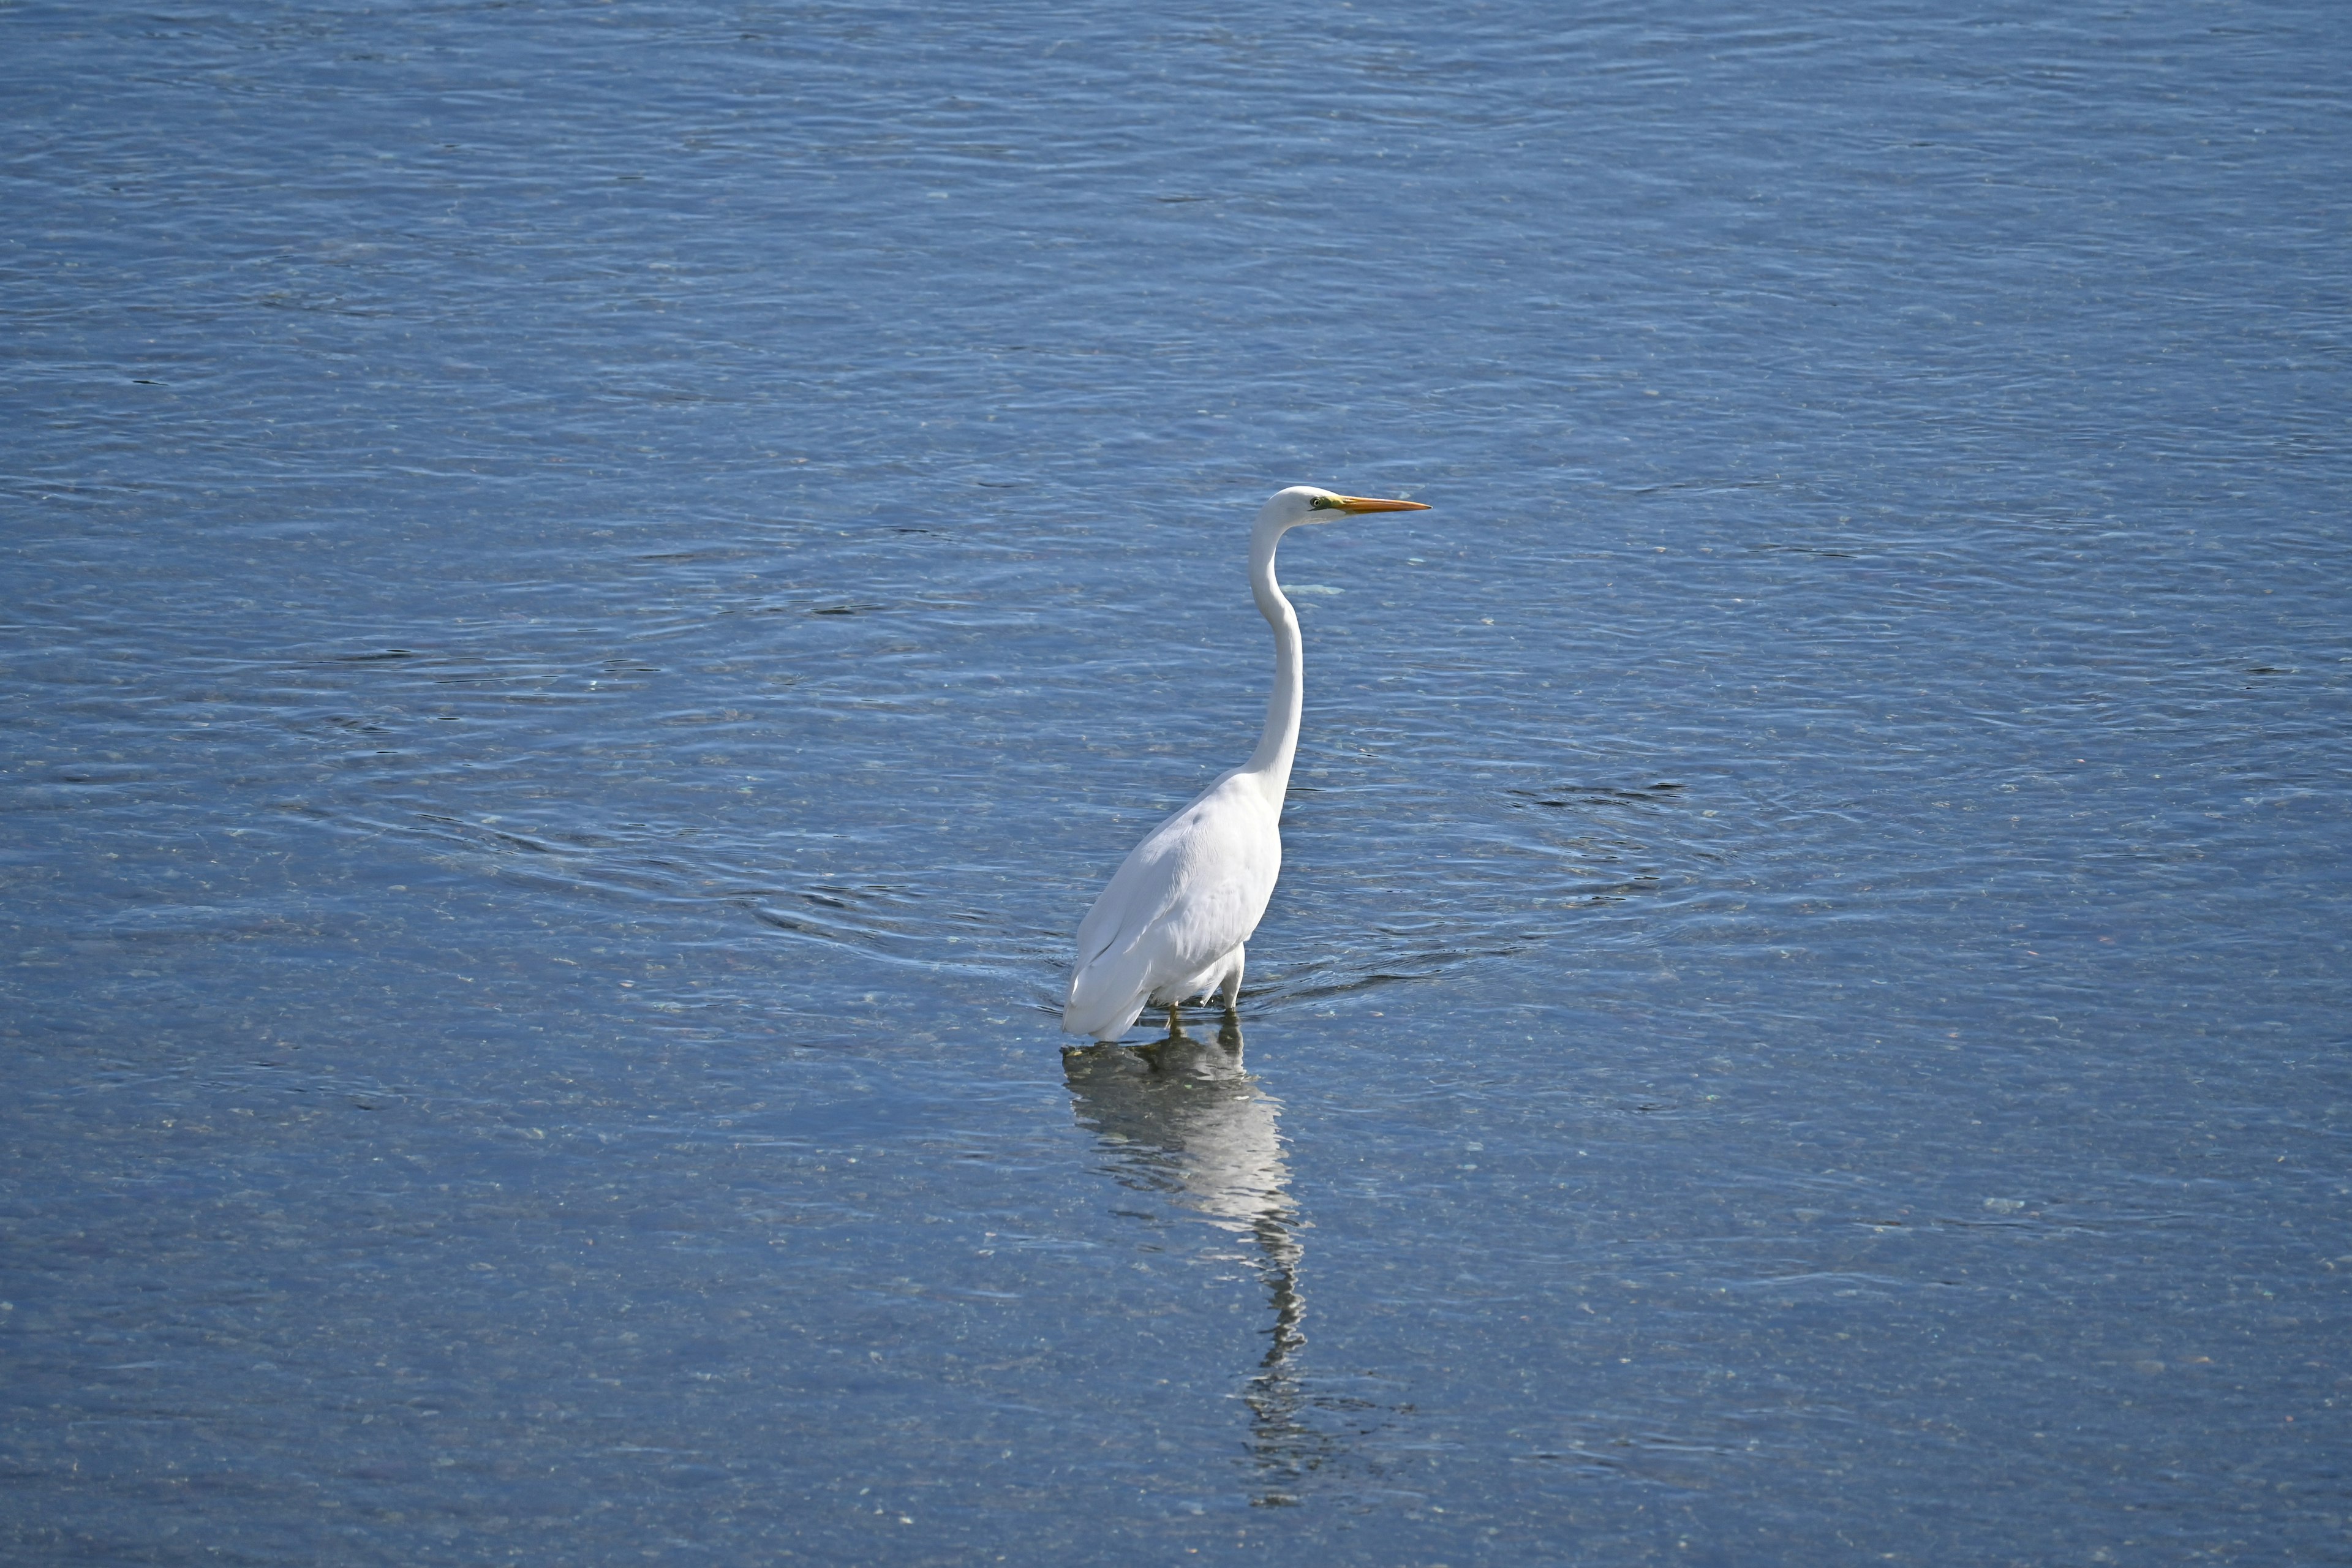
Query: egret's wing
[[1137, 891]]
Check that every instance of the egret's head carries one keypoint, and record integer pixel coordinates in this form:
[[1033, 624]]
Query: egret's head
[[1306, 503]]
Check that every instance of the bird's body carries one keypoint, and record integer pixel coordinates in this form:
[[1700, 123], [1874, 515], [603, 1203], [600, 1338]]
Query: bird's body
[[1172, 922], [1174, 919]]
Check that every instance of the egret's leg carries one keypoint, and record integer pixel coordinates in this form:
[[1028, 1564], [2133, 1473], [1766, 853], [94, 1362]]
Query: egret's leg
[[1175, 1022], [1230, 991]]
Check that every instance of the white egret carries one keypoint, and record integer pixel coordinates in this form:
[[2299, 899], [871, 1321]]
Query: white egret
[[1172, 922]]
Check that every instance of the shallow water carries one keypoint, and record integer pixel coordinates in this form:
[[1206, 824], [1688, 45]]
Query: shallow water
[[594, 589]]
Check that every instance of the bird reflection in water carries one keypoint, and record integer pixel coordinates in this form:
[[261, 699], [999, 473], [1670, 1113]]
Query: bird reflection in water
[[1183, 1119]]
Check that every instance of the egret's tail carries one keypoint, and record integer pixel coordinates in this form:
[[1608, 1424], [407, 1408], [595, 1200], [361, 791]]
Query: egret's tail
[[1102, 1024], [1105, 998]]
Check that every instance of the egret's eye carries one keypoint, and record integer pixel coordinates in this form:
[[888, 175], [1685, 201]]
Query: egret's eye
[[1320, 503]]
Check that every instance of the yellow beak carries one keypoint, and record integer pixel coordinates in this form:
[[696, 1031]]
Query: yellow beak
[[1365, 504]]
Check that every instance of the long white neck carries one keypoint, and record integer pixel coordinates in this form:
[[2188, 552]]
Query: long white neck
[[1270, 764]]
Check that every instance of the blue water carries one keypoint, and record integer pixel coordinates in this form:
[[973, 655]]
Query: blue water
[[593, 589]]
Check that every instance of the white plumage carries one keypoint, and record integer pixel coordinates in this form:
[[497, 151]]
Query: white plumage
[[1173, 920]]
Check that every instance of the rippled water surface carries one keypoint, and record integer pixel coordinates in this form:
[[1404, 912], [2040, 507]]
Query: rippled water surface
[[593, 589]]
